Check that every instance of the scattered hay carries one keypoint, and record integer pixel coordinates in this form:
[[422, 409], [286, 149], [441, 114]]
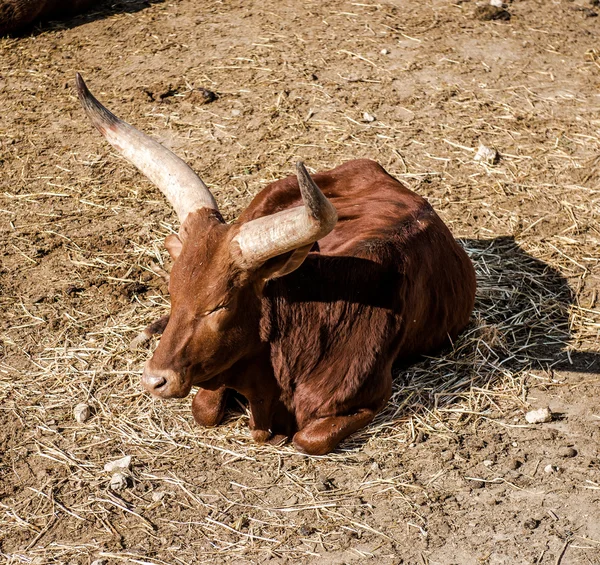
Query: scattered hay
[[83, 230]]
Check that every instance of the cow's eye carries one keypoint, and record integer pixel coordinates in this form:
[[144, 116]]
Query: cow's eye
[[218, 308]]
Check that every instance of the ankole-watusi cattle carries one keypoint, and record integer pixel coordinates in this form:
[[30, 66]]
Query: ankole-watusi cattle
[[305, 302], [16, 14]]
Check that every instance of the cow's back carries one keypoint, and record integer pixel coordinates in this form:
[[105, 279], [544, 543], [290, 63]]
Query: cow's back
[[389, 282]]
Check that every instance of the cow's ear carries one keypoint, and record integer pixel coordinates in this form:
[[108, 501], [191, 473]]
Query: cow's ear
[[284, 264], [173, 245]]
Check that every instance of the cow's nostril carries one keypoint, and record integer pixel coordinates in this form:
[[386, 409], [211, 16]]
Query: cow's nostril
[[164, 383], [155, 382]]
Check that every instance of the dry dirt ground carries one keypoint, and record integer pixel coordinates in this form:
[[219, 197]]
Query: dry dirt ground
[[450, 473]]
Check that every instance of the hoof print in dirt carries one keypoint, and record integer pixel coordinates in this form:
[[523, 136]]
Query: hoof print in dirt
[[567, 452], [531, 524], [489, 12]]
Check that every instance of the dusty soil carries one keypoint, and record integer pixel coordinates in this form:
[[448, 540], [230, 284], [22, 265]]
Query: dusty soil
[[450, 473]]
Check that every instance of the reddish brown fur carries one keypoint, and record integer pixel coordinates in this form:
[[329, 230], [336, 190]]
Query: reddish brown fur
[[16, 14], [313, 350]]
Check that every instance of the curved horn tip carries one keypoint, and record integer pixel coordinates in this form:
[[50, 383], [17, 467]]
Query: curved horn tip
[[82, 89], [100, 117], [300, 167], [79, 81], [316, 202]]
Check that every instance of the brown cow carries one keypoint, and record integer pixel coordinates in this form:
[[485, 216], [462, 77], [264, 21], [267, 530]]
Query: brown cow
[[16, 14], [305, 302]]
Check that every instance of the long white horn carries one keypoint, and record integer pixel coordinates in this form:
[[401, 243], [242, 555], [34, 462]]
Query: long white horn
[[182, 187], [259, 240]]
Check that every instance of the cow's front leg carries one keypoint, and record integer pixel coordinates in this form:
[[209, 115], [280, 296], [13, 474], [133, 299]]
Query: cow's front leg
[[262, 410], [324, 434], [208, 406]]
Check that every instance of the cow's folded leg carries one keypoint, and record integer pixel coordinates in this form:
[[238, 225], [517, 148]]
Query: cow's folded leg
[[323, 435], [208, 406]]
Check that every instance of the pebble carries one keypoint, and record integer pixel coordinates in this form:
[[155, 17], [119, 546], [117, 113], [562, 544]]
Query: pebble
[[99, 562], [118, 482], [385, 51], [539, 416], [368, 117], [82, 412], [567, 452], [158, 495], [122, 464], [550, 469], [488, 462], [497, 3], [486, 154]]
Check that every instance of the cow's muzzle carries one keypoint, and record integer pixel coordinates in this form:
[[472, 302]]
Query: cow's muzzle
[[164, 383]]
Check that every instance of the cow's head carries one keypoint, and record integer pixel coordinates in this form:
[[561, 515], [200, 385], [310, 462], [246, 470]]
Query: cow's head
[[219, 269]]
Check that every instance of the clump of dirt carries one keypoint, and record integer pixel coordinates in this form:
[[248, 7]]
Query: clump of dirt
[[488, 12]]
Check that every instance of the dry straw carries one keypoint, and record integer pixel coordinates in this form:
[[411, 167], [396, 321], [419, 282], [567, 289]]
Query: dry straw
[[82, 231]]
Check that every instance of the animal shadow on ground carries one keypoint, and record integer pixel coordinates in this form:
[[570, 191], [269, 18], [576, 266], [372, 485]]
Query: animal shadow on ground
[[96, 11], [520, 324]]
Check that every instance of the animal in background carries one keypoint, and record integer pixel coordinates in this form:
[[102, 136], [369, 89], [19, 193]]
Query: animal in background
[[17, 14]]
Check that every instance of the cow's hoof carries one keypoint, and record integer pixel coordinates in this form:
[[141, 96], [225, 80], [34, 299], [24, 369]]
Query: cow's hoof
[[311, 446], [261, 436], [279, 439], [323, 435]]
